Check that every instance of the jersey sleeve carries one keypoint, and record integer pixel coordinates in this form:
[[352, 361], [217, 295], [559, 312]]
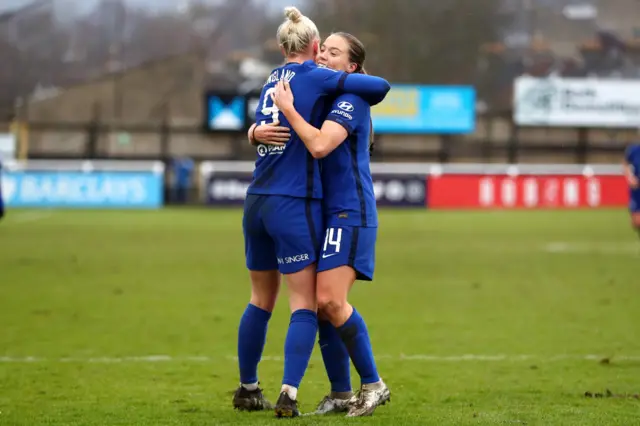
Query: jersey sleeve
[[330, 80], [370, 88], [349, 111]]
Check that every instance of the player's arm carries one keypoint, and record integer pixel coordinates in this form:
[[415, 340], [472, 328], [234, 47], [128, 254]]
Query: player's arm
[[629, 171], [370, 88], [320, 142], [269, 134], [631, 177], [251, 135]]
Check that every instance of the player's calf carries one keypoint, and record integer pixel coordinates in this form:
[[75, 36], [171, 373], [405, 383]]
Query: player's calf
[[252, 335], [300, 339], [333, 286], [635, 222], [338, 366]]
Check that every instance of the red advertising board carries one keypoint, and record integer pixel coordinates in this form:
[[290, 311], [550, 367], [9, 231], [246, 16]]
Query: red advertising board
[[526, 192]]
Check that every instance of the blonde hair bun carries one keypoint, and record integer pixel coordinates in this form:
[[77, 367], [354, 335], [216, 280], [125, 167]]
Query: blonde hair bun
[[293, 14], [297, 32]]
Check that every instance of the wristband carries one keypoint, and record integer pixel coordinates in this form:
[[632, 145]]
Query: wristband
[[253, 135]]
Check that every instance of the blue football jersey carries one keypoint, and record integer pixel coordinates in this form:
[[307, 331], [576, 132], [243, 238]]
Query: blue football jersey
[[291, 170], [632, 157], [349, 199]]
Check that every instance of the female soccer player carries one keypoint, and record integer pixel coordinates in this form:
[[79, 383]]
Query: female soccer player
[[283, 219], [632, 173], [348, 253], [1, 201]]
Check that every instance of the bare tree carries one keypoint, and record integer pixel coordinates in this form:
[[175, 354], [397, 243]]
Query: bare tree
[[425, 41], [30, 47], [13, 61], [39, 51]]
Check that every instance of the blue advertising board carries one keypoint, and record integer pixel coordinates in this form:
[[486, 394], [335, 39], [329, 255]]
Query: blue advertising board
[[99, 189], [225, 112], [426, 110]]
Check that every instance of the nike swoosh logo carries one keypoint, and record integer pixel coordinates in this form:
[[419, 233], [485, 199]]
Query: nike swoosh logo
[[324, 256]]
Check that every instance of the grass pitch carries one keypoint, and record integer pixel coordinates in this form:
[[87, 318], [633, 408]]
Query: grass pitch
[[130, 318]]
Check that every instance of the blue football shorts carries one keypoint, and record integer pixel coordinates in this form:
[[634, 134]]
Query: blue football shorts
[[353, 246], [634, 201], [281, 232]]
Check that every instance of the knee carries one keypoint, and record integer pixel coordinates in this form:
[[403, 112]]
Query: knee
[[329, 307], [306, 302], [264, 289], [265, 305], [264, 301], [302, 289]]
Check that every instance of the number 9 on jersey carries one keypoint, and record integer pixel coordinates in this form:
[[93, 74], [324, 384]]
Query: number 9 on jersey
[[269, 108]]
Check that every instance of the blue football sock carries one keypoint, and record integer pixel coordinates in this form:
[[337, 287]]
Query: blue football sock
[[335, 357], [298, 346], [252, 335], [355, 336]]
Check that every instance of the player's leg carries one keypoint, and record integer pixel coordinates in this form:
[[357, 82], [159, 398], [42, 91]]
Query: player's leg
[[338, 366], [334, 352], [252, 334], [300, 339], [635, 222], [1, 202], [634, 209], [296, 224], [265, 283], [349, 254]]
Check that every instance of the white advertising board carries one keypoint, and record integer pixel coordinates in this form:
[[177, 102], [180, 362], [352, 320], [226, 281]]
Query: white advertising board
[[576, 102]]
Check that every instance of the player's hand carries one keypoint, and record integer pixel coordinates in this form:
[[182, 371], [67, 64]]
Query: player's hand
[[283, 96], [272, 134], [634, 183]]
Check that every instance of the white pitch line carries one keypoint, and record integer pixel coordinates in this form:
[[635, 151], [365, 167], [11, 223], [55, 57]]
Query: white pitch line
[[611, 248], [401, 357], [29, 217]]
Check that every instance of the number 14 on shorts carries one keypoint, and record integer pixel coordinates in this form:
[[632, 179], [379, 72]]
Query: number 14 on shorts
[[332, 240]]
